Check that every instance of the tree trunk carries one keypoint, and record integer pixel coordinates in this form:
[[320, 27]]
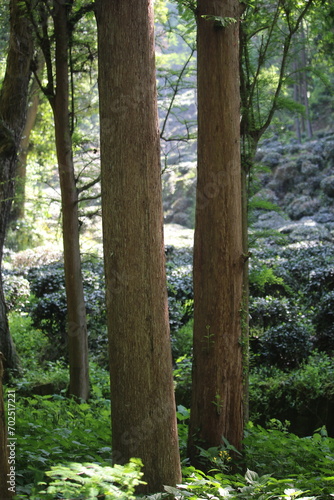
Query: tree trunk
[[218, 383], [296, 96], [18, 210], [76, 310], [142, 395], [13, 105], [304, 86]]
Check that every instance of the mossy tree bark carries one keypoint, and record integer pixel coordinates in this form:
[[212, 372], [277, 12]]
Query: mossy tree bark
[[218, 378], [13, 106], [142, 395]]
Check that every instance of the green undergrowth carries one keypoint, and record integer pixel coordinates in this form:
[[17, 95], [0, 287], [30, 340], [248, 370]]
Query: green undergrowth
[[56, 430], [63, 452]]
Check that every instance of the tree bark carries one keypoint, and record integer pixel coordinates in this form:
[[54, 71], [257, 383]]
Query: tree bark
[[304, 85], [142, 395], [18, 209], [13, 105], [76, 310], [218, 382]]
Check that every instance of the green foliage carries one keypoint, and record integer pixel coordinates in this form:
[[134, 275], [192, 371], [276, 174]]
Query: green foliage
[[269, 311], [263, 280], [48, 308], [183, 415], [307, 462], [180, 289], [323, 321], [285, 345], [182, 340], [89, 480], [200, 486], [278, 464], [219, 21], [66, 431], [182, 379], [301, 394], [16, 290]]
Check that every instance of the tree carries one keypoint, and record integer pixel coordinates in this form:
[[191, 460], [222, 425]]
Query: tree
[[58, 91], [265, 27], [13, 106], [18, 209], [142, 395], [218, 378]]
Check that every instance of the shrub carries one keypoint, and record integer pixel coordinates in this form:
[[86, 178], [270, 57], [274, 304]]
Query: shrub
[[269, 311], [263, 281], [321, 280], [179, 286], [16, 290], [300, 395], [285, 345], [306, 461], [30, 342], [324, 321], [48, 309], [296, 265], [182, 340], [182, 378]]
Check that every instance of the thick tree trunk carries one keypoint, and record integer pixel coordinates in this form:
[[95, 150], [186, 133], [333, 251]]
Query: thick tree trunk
[[142, 395], [218, 383], [76, 310], [13, 105]]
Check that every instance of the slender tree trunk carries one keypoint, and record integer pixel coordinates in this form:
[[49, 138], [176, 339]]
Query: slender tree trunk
[[218, 383], [18, 210], [76, 311], [296, 96], [142, 395], [304, 86], [13, 105]]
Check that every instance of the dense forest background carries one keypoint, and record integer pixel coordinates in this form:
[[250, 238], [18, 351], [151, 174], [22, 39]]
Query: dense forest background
[[63, 447]]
